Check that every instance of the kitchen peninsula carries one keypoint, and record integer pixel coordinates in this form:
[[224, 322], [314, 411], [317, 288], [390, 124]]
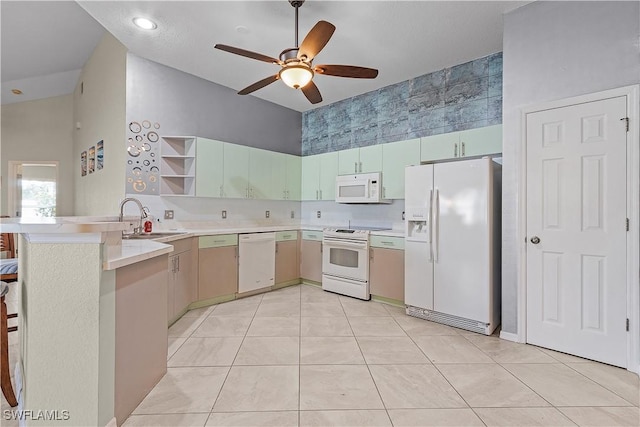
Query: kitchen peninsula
[[70, 315]]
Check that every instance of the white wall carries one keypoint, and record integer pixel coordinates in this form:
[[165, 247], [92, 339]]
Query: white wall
[[37, 131], [555, 50], [100, 109]]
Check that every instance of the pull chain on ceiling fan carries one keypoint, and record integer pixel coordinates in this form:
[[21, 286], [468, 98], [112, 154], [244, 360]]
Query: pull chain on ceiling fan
[[297, 69]]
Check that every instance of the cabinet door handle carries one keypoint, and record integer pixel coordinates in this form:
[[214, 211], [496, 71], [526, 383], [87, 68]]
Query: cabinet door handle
[[462, 149], [276, 247], [371, 254], [317, 192], [321, 247], [355, 167], [455, 150], [384, 192], [320, 194], [178, 262], [360, 167]]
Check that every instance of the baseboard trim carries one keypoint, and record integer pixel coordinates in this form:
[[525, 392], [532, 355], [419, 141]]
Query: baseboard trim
[[509, 336]]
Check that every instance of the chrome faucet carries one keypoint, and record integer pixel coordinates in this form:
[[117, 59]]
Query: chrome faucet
[[143, 213]]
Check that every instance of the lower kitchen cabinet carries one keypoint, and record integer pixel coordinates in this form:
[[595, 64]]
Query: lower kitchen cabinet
[[181, 289], [386, 267], [217, 266], [287, 257], [311, 256], [140, 332]]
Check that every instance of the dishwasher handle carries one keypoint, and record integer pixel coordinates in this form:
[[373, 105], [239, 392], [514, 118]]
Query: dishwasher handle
[[260, 237]]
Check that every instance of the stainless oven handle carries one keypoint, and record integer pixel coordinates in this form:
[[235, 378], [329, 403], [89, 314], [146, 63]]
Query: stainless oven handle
[[344, 243]]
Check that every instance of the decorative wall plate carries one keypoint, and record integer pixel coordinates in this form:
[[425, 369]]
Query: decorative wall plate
[[133, 150]]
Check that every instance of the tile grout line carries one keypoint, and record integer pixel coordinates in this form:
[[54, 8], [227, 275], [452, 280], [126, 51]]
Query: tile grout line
[[234, 359]]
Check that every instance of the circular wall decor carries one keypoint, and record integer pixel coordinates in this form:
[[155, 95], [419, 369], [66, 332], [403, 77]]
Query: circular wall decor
[[146, 124], [139, 186], [156, 125], [135, 127], [152, 136], [133, 150]]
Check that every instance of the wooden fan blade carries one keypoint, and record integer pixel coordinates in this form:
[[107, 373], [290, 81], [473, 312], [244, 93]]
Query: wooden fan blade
[[247, 53], [312, 92], [315, 40], [346, 71], [258, 85]]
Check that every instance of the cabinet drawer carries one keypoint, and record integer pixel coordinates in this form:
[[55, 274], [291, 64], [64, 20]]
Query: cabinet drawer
[[282, 236], [218, 241], [312, 235], [387, 242]]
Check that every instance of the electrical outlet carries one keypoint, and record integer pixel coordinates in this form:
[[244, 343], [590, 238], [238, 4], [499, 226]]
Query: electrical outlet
[[267, 214], [224, 214], [318, 214], [293, 214], [168, 214]]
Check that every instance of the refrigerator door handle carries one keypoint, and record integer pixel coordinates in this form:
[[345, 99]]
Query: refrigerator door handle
[[437, 226], [430, 225]]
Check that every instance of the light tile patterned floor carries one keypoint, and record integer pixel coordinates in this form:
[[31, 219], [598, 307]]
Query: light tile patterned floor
[[303, 357]]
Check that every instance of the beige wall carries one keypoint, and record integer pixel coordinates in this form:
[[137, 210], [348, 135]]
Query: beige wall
[[36, 131], [100, 109]]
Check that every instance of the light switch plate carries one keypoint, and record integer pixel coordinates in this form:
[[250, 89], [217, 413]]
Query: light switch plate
[[168, 214], [224, 214]]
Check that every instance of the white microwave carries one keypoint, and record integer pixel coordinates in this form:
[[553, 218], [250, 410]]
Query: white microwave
[[360, 188]]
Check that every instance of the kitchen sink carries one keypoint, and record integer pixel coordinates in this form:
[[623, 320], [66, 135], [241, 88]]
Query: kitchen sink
[[153, 235]]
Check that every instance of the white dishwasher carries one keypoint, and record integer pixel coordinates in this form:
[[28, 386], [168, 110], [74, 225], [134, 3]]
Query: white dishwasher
[[257, 263]]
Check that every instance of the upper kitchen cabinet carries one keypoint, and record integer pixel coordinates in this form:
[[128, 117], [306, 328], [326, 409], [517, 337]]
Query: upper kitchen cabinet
[[236, 171], [319, 176], [468, 143], [286, 179], [209, 167], [481, 141], [260, 174], [177, 165], [395, 157], [360, 160]]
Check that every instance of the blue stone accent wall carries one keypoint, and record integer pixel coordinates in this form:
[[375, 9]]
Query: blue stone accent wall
[[465, 96]]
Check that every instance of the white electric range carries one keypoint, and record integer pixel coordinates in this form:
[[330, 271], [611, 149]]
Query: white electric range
[[345, 261]]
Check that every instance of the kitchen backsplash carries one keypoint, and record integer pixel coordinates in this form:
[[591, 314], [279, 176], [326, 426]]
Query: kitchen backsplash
[[465, 96], [343, 215], [205, 209]]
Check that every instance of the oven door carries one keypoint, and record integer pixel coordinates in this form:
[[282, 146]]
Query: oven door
[[346, 258]]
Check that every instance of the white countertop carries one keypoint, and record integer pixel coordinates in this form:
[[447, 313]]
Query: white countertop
[[130, 251]]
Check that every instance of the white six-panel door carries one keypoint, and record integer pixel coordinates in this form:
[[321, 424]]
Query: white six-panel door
[[576, 230]]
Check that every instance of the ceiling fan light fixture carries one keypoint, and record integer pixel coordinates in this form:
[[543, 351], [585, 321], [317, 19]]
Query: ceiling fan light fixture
[[296, 76], [145, 23]]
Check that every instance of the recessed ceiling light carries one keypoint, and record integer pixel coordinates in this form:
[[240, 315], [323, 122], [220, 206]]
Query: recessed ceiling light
[[16, 91], [145, 24]]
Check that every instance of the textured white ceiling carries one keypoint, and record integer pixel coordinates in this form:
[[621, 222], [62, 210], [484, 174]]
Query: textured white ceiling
[[403, 39]]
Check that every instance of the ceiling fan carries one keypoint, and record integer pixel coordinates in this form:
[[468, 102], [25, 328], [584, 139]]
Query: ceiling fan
[[297, 69]]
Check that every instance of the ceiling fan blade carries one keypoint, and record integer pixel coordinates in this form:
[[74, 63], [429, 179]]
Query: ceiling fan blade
[[346, 71], [247, 53], [315, 40], [312, 93], [258, 85]]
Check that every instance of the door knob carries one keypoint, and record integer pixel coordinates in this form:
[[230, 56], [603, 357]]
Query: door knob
[[535, 240]]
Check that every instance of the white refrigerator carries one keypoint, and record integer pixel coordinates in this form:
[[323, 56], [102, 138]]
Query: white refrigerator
[[452, 243]]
